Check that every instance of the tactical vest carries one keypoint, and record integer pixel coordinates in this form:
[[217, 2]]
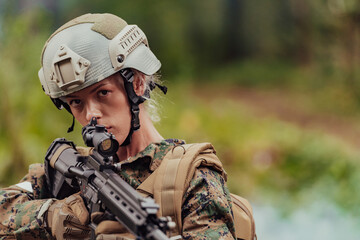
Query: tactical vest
[[169, 182]]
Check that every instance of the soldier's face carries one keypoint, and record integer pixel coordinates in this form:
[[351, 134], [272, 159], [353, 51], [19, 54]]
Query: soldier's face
[[107, 101]]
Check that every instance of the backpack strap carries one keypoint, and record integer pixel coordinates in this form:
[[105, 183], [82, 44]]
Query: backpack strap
[[170, 180], [243, 219]]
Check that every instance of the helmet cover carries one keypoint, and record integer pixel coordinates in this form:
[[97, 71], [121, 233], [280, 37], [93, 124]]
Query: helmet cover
[[91, 48]]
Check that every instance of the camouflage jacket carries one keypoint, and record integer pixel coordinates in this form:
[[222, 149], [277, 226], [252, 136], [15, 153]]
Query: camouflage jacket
[[204, 217]]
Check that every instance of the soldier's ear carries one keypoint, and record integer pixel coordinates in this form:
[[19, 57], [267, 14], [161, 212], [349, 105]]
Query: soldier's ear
[[139, 84]]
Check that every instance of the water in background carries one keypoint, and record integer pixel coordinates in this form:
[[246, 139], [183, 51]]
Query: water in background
[[321, 220]]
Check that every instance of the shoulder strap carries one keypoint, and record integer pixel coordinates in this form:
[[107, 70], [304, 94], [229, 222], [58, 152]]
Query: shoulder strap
[[244, 220], [171, 179]]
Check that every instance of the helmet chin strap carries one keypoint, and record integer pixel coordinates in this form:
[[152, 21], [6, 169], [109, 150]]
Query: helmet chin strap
[[134, 101], [61, 104]]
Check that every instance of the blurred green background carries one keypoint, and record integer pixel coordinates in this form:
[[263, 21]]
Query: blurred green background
[[274, 85]]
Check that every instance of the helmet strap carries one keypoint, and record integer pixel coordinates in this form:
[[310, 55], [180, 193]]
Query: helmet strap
[[134, 101], [60, 105], [71, 128]]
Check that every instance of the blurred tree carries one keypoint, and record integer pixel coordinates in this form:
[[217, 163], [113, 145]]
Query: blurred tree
[[350, 28], [301, 13], [233, 43]]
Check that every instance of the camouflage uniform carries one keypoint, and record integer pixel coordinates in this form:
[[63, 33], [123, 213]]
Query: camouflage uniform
[[206, 211]]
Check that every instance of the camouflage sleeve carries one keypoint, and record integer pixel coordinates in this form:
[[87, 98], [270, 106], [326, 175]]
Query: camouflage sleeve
[[22, 207], [206, 211]]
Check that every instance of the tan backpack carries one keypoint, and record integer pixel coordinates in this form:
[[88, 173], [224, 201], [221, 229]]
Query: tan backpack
[[171, 179]]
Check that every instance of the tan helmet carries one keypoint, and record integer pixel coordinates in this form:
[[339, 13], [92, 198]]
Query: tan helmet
[[89, 49]]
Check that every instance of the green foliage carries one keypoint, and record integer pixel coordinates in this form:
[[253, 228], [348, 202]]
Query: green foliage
[[29, 121]]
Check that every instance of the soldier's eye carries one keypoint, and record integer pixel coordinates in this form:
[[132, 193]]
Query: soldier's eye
[[103, 92], [75, 102]]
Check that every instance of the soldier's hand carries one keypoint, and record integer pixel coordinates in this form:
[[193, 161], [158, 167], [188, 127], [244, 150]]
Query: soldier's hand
[[68, 218], [109, 229]]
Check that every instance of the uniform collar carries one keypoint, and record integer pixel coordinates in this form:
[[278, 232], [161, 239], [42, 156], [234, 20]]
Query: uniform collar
[[153, 153]]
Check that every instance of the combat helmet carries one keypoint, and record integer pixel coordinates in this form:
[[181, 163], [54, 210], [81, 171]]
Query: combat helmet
[[89, 49]]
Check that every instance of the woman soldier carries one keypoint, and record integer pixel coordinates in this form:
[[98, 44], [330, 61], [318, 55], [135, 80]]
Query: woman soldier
[[98, 66]]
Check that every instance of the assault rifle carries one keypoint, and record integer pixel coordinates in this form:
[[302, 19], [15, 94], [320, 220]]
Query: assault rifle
[[68, 172]]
